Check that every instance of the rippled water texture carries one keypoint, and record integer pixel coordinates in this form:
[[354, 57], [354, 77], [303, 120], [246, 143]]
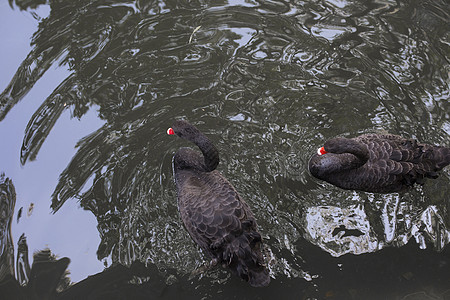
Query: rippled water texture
[[268, 82]]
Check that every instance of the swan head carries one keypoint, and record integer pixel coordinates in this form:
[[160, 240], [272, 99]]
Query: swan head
[[321, 151]]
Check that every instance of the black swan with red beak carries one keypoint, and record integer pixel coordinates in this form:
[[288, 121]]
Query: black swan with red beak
[[214, 214], [377, 163]]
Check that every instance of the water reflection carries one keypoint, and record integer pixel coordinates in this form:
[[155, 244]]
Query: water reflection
[[7, 203], [270, 80], [48, 279], [369, 227]]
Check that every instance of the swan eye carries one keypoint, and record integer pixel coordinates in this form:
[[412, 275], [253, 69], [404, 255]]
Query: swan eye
[[321, 151], [170, 131]]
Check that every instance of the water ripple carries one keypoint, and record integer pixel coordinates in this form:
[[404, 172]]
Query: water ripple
[[270, 80]]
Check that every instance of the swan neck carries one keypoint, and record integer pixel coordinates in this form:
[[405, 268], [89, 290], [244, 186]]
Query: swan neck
[[209, 151], [343, 145], [360, 151]]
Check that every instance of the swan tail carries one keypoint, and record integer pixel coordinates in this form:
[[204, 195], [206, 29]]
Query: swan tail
[[241, 253], [442, 157], [432, 160]]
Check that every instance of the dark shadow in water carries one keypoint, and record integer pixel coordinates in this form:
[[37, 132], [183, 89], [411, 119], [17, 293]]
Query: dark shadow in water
[[406, 271], [7, 203], [27, 4], [269, 80]]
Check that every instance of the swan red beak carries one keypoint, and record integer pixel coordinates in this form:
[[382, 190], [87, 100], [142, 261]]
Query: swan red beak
[[321, 151], [170, 131]]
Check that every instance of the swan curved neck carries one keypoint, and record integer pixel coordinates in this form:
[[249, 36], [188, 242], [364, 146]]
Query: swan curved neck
[[186, 158], [210, 154], [189, 159], [344, 145]]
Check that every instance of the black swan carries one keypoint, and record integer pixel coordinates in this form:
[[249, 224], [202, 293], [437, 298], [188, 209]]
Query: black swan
[[214, 214], [377, 163]]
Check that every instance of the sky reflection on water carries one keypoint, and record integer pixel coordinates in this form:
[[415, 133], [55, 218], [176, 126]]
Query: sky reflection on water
[[59, 232]]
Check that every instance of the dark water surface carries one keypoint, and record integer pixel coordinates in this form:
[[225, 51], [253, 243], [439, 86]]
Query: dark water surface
[[268, 82]]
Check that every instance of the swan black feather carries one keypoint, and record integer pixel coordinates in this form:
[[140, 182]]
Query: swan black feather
[[378, 163], [214, 214]]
